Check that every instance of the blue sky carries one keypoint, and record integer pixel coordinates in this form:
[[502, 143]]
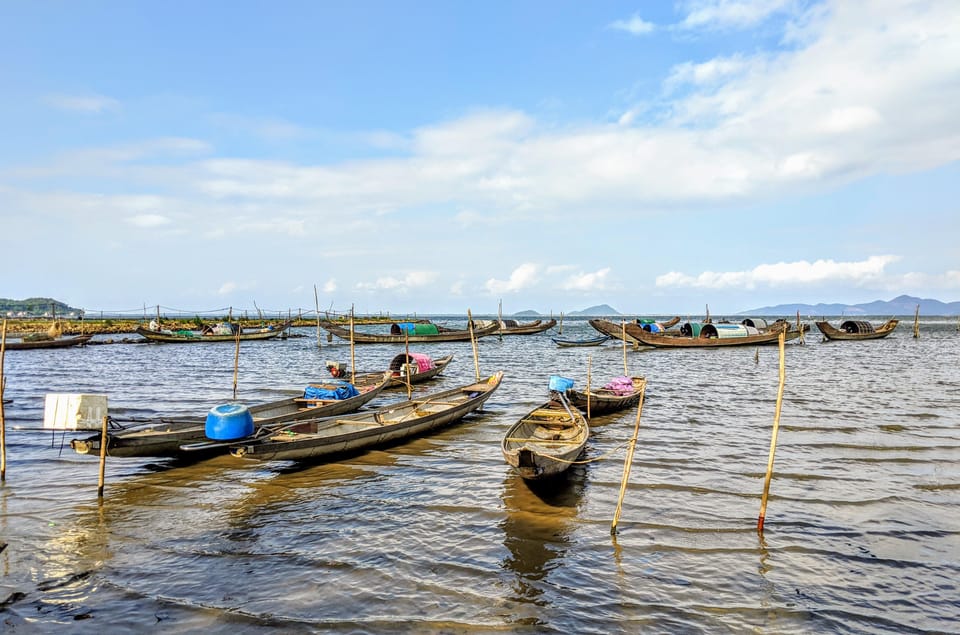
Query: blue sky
[[436, 156]]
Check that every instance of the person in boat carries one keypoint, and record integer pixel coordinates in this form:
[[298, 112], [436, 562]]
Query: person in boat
[[336, 369]]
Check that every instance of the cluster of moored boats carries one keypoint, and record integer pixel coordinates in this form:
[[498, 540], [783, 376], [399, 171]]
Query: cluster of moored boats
[[329, 418]]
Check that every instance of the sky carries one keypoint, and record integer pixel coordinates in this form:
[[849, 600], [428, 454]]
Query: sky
[[433, 157]]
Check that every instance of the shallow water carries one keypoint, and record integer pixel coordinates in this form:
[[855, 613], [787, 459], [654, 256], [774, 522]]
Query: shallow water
[[437, 535]]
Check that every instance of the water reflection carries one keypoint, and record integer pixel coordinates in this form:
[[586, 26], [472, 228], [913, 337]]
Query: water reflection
[[539, 521]]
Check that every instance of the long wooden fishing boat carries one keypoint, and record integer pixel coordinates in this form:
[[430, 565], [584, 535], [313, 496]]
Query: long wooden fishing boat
[[322, 438], [26, 343], [512, 327], [616, 330], [420, 333], [163, 436], [710, 335], [857, 330], [604, 400], [546, 441], [186, 336], [587, 341]]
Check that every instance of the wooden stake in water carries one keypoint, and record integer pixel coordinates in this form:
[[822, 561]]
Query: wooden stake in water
[[773, 438], [500, 319], [3, 386], [353, 361], [316, 302], [560, 332], [589, 361], [623, 338], [473, 342], [916, 322], [629, 459], [103, 458], [406, 344], [236, 362], [800, 328]]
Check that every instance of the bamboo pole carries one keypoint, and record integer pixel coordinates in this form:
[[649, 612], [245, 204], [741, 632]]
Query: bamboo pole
[[103, 458], [623, 338], [236, 363], [500, 319], [473, 342], [560, 332], [406, 343], [629, 459], [773, 439], [316, 302], [916, 323], [3, 386], [353, 361], [800, 328], [589, 361]]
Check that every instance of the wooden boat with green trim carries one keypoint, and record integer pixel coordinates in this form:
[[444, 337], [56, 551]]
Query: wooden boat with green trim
[[162, 436], [857, 330], [403, 332], [318, 439], [545, 442]]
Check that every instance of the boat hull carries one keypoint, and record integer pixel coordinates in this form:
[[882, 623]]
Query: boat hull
[[832, 333], [545, 442]]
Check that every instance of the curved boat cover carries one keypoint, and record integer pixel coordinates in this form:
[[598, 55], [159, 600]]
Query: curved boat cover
[[856, 326]]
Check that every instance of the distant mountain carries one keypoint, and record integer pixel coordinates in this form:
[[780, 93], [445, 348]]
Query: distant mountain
[[527, 313], [900, 305], [600, 309]]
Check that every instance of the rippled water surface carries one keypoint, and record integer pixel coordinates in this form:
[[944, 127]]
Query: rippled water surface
[[437, 535]]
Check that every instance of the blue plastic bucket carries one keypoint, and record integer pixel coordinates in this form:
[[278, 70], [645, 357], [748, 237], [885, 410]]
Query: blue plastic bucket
[[229, 422], [560, 384]]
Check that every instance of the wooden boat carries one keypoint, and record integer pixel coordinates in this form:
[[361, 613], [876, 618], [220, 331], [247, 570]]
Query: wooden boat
[[163, 436], [615, 330], [419, 334], [710, 335], [400, 364], [512, 327], [546, 441], [857, 330], [605, 400], [589, 341], [321, 438], [25, 343], [211, 335]]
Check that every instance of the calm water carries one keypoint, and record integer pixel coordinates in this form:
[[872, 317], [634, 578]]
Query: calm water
[[437, 535]]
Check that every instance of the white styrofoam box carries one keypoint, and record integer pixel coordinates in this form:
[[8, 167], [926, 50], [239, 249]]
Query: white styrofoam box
[[65, 411]]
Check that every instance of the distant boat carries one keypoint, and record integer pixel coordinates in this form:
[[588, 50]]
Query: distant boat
[[318, 439], [512, 327], [589, 341], [402, 332], [43, 341], [220, 333], [163, 436], [545, 442], [710, 335], [857, 330]]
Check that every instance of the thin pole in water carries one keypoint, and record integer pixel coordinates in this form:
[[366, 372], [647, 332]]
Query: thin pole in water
[[353, 359], [316, 302], [103, 458], [473, 342], [560, 331], [629, 459], [236, 362], [623, 338], [773, 439], [406, 344], [916, 323], [589, 361], [3, 423]]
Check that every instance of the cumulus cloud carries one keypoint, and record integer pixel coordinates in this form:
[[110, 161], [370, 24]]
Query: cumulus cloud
[[330, 286], [784, 274], [730, 14], [148, 221], [227, 288], [523, 277], [411, 280], [593, 281], [635, 25]]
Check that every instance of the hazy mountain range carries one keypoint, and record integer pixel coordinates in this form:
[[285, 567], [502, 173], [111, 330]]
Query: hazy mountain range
[[900, 305]]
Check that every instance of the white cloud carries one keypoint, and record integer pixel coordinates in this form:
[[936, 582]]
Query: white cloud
[[737, 14], [89, 104], [523, 277], [784, 274], [227, 288], [595, 281], [411, 280], [330, 286], [635, 25], [148, 221]]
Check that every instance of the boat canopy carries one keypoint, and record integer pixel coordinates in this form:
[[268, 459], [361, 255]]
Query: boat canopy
[[726, 331], [857, 326], [413, 328], [759, 323], [423, 362]]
